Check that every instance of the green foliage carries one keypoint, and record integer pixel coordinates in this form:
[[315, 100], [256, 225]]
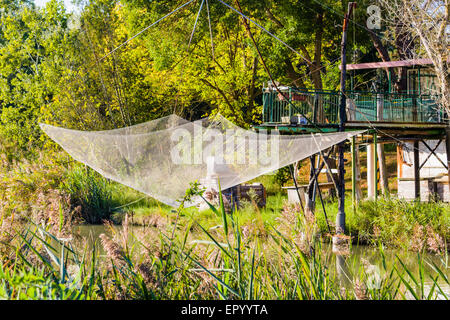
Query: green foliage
[[90, 191], [282, 176], [214, 263], [32, 53], [396, 219], [395, 223], [54, 68]]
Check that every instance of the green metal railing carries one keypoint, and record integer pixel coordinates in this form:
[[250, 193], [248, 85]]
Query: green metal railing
[[322, 107]]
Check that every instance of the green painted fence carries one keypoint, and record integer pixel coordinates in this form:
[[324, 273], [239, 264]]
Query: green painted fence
[[322, 107]]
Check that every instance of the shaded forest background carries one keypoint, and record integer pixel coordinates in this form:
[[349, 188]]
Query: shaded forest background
[[53, 67]]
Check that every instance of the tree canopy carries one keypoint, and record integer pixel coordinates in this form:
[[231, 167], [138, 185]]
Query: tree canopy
[[78, 70]]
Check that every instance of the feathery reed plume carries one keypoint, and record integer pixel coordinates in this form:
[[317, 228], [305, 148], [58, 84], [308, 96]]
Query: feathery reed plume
[[434, 241], [6, 230], [113, 250], [155, 220], [360, 290], [246, 231], [418, 238], [376, 231], [148, 274]]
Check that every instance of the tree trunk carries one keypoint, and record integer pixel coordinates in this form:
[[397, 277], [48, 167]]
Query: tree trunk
[[317, 64], [295, 77]]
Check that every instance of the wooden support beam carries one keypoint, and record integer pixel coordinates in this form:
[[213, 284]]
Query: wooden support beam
[[340, 217], [447, 145], [316, 177], [310, 205], [416, 171], [384, 183], [319, 169], [332, 176], [375, 172], [354, 172], [370, 171], [323, 206], [432, 153]]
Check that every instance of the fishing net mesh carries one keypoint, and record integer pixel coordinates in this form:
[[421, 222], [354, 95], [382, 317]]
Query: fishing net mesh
[[162, 157]]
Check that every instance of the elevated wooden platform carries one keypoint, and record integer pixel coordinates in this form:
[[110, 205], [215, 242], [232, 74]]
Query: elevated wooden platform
[[403, 130]]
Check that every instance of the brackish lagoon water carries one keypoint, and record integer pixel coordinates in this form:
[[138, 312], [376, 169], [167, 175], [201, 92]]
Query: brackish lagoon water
[[347, 267]]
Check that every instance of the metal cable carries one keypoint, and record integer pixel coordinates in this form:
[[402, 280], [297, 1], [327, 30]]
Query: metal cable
[[145, 29], [210, 30], [195, 24], [265, 30]]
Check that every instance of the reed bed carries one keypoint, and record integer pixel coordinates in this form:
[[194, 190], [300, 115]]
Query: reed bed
[[182, 259]]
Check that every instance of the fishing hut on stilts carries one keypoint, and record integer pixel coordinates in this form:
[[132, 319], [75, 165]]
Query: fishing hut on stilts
[[413, 119]]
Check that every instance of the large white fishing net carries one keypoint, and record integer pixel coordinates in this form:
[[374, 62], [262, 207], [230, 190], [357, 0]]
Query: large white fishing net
[[162, 157]]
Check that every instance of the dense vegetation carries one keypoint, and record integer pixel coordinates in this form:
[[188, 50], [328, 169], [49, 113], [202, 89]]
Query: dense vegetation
[[186, 260], [56, 67]]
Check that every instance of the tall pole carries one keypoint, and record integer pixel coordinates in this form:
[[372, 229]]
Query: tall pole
[[416, 171], [340, 218], [354, 173], [447, 148], [375, 164]]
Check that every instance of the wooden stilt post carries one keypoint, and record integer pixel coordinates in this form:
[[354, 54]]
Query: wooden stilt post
[[447, 145], [370, 171], [416, 171], [354, 172], [340, 217], [316, 186], [291, 168], [375, 172], [384, 183], [310, 205], [358, 175]]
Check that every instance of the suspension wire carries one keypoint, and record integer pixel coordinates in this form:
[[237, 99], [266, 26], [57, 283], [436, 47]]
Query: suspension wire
[[239, 12], [295, 51], [272, 35], [325, 159], [183, 66], [323, 205], [334, 60], [129, 203], [97, 61], [195, 24], [247, 27], [145, 29], [210, 30], [358, 24]]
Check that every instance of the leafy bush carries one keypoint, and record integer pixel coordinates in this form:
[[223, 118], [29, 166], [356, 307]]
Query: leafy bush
[[396, 223], [91, 192]]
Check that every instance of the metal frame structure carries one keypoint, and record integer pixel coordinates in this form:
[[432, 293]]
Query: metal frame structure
[[388, 117]]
